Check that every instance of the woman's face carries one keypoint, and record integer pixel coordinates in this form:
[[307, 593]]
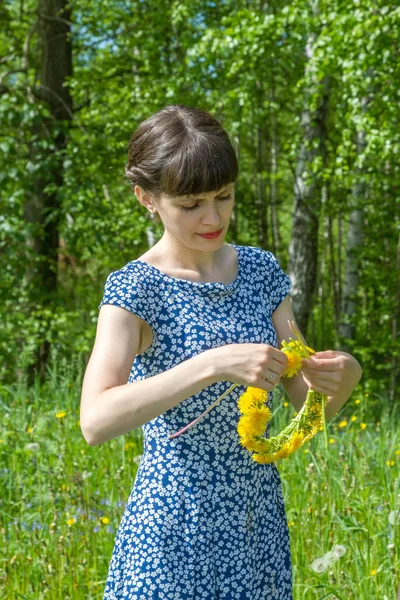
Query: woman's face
[[185, 217]]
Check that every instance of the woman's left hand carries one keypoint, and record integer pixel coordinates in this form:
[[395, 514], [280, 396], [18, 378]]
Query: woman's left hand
[[331, 371]]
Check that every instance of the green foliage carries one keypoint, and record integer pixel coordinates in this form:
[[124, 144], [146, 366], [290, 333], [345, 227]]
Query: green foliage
[[259, 67]]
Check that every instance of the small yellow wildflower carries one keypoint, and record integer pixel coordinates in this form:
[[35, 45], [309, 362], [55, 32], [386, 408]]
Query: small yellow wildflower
[[363, 425], [366, 395], [309, 509], [306, 450], [354, 418], [398, 452], [290, 524], [30, 429], [105, 520], [373, 572], [285, 404], [70, 521], [357, 401], [61, 414], [331, 441], [343, 424], [390, 463]]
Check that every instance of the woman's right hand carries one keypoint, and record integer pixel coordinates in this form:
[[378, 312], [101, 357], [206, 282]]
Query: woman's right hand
[[250, 364]]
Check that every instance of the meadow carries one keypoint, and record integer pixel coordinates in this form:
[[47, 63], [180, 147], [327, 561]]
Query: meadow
[[61, 500]]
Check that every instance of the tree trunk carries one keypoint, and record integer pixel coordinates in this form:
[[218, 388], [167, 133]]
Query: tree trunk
[[303, 249], [395, 328], [42, 208], [276, 242], [354, 237]]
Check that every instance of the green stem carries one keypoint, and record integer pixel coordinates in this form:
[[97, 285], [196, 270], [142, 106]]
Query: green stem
[[324, 420]]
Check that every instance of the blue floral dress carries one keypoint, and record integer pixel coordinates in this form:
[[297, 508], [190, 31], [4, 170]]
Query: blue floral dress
[[203, 520]]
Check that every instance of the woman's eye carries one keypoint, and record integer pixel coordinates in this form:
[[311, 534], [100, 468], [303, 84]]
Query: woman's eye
[[223, 198]]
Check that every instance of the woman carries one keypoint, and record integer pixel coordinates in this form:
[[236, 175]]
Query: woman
[[182, 323]]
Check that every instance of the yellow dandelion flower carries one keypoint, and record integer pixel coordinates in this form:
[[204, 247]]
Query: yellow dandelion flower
[[258, 419], [343, 424], [306, 450], [61, 414], [293, 365], [70, 521], [354, 418], [331, 441], [373, 572], [258, 394], [263, 459], [251, 397], [255, 445], [254, 422], [284, 451], [390, 463], [105, 520], [366, 395], [296, 441], [397, 452], [363, 425], [30, 429], [357, 401], [286, 404]]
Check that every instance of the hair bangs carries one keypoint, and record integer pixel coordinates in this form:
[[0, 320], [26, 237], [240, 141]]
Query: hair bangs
[[201, 165]]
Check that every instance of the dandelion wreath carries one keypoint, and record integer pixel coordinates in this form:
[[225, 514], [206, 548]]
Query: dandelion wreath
[[252, 405]]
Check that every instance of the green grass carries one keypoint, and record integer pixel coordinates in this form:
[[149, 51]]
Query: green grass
[[61, 500]]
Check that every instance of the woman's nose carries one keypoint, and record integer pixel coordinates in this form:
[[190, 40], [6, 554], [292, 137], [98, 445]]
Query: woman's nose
[[212, 216]]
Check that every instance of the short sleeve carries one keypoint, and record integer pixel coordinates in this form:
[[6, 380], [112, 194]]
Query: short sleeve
[[125, 288], [278, 283]]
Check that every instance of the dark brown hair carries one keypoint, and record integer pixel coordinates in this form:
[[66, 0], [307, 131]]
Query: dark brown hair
[[181, 150]]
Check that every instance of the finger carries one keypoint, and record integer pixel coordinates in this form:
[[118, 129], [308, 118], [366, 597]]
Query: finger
[[271, 377], [319, 388], [321, 364], [276, 366], [317, 374], [279, 356]]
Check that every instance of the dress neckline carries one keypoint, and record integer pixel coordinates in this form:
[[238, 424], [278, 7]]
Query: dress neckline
[[204, 284]]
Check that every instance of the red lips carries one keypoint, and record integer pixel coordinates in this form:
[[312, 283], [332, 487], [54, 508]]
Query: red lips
[[212, 234]]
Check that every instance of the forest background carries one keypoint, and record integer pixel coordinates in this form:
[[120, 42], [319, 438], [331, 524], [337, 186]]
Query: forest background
[[309, 93]]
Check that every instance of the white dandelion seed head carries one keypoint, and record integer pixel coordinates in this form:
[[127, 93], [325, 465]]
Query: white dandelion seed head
[[390, 546], [338, 551], [33, 447], [319, 565]]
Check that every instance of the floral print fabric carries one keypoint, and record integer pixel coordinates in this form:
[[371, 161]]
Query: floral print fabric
[[203, 520]]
